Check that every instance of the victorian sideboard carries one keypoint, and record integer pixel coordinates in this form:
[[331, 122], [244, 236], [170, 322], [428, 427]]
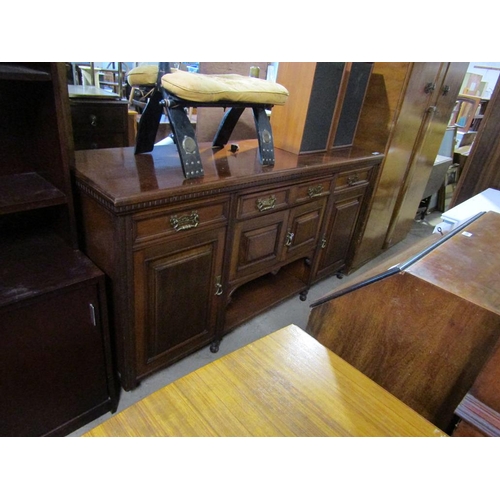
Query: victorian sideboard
[[187, 261]]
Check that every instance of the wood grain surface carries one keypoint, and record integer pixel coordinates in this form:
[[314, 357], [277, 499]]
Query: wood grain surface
[[285, 384]]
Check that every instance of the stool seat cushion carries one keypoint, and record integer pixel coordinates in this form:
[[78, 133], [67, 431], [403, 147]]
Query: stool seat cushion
[[202, 88], [143, 75]]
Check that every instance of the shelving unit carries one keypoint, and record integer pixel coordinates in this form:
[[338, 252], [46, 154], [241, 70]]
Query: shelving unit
[[55, 362]]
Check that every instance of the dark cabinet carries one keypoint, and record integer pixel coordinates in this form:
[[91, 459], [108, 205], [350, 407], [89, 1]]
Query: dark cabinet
[[99, 123], [55, 354], [55, 357]]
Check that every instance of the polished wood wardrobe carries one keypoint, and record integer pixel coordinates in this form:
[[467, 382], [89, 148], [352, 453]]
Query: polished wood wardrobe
[[405, 114]]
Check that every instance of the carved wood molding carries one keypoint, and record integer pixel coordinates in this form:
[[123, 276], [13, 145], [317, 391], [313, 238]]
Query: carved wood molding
[[480, 415], [324, 171]]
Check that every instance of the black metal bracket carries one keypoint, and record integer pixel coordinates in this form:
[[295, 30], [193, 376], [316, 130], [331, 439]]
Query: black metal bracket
[[265, 136], [185, 140], [262, 126], [149, 123]]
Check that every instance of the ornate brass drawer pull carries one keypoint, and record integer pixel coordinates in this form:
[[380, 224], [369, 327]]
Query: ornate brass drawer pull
[[315, 191], [323, 242], [264, 204], [352, 179], [218, 286], [289, 239], [185, 221]]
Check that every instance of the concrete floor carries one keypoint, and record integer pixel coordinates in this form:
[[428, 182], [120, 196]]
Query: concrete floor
[[292, 311]]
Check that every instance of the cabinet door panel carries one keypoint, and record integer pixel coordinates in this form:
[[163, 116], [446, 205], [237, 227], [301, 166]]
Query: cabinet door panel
[[52, 362], [304, 224], [257, 243], [340, 231], [175, 304]]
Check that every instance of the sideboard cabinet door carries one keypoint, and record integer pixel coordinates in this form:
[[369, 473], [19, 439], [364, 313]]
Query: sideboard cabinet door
[[177, 289], [341, 223]]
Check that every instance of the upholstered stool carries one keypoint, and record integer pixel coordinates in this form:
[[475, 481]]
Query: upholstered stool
[[175, 90]]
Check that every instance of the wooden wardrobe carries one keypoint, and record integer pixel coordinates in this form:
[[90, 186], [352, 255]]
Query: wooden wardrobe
[[406, 111]]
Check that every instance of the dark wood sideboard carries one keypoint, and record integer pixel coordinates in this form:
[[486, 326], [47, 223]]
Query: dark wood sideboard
[[190, 260]]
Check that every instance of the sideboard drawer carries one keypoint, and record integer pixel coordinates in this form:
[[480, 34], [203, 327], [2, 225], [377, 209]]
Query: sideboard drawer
[[353, 178], [262, 202], [307, 191], [185, 218]]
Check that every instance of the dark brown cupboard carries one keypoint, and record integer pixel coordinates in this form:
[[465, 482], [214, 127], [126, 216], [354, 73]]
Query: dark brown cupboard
[[55, 358]]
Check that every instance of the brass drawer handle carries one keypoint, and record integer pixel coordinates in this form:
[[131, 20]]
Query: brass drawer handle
[[183, 222], [289, 239], [93, 120], [323, 242], [352, 179], [264, 204], [315, 191], [218, 286]]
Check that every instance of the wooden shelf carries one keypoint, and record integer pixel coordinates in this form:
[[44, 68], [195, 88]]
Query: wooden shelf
[[32, 72], [21, 192], [34, 264], [264, 293]]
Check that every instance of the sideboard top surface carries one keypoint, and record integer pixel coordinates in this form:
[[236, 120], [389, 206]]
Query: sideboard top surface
[[121, 179]]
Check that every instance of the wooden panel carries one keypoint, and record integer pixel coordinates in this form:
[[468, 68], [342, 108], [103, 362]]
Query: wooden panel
[[353, 178], [288, 121], [467, 264], [339, 231], [175, 293], [423, 344], [168, 222], [480, 408], [305, 192], [378, 128], [304, 223], [285, 384], [464, 429], [53, 368], [99, 124], [257, 243], [264, 201], [399, 154], [425, 151], [381, 105], [177, 313]]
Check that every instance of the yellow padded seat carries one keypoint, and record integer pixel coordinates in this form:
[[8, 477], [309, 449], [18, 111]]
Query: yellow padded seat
[[214, 88], [143, 75], [202, 88]]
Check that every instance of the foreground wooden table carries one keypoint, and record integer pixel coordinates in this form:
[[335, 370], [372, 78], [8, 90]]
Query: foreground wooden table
[[285, 384]]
